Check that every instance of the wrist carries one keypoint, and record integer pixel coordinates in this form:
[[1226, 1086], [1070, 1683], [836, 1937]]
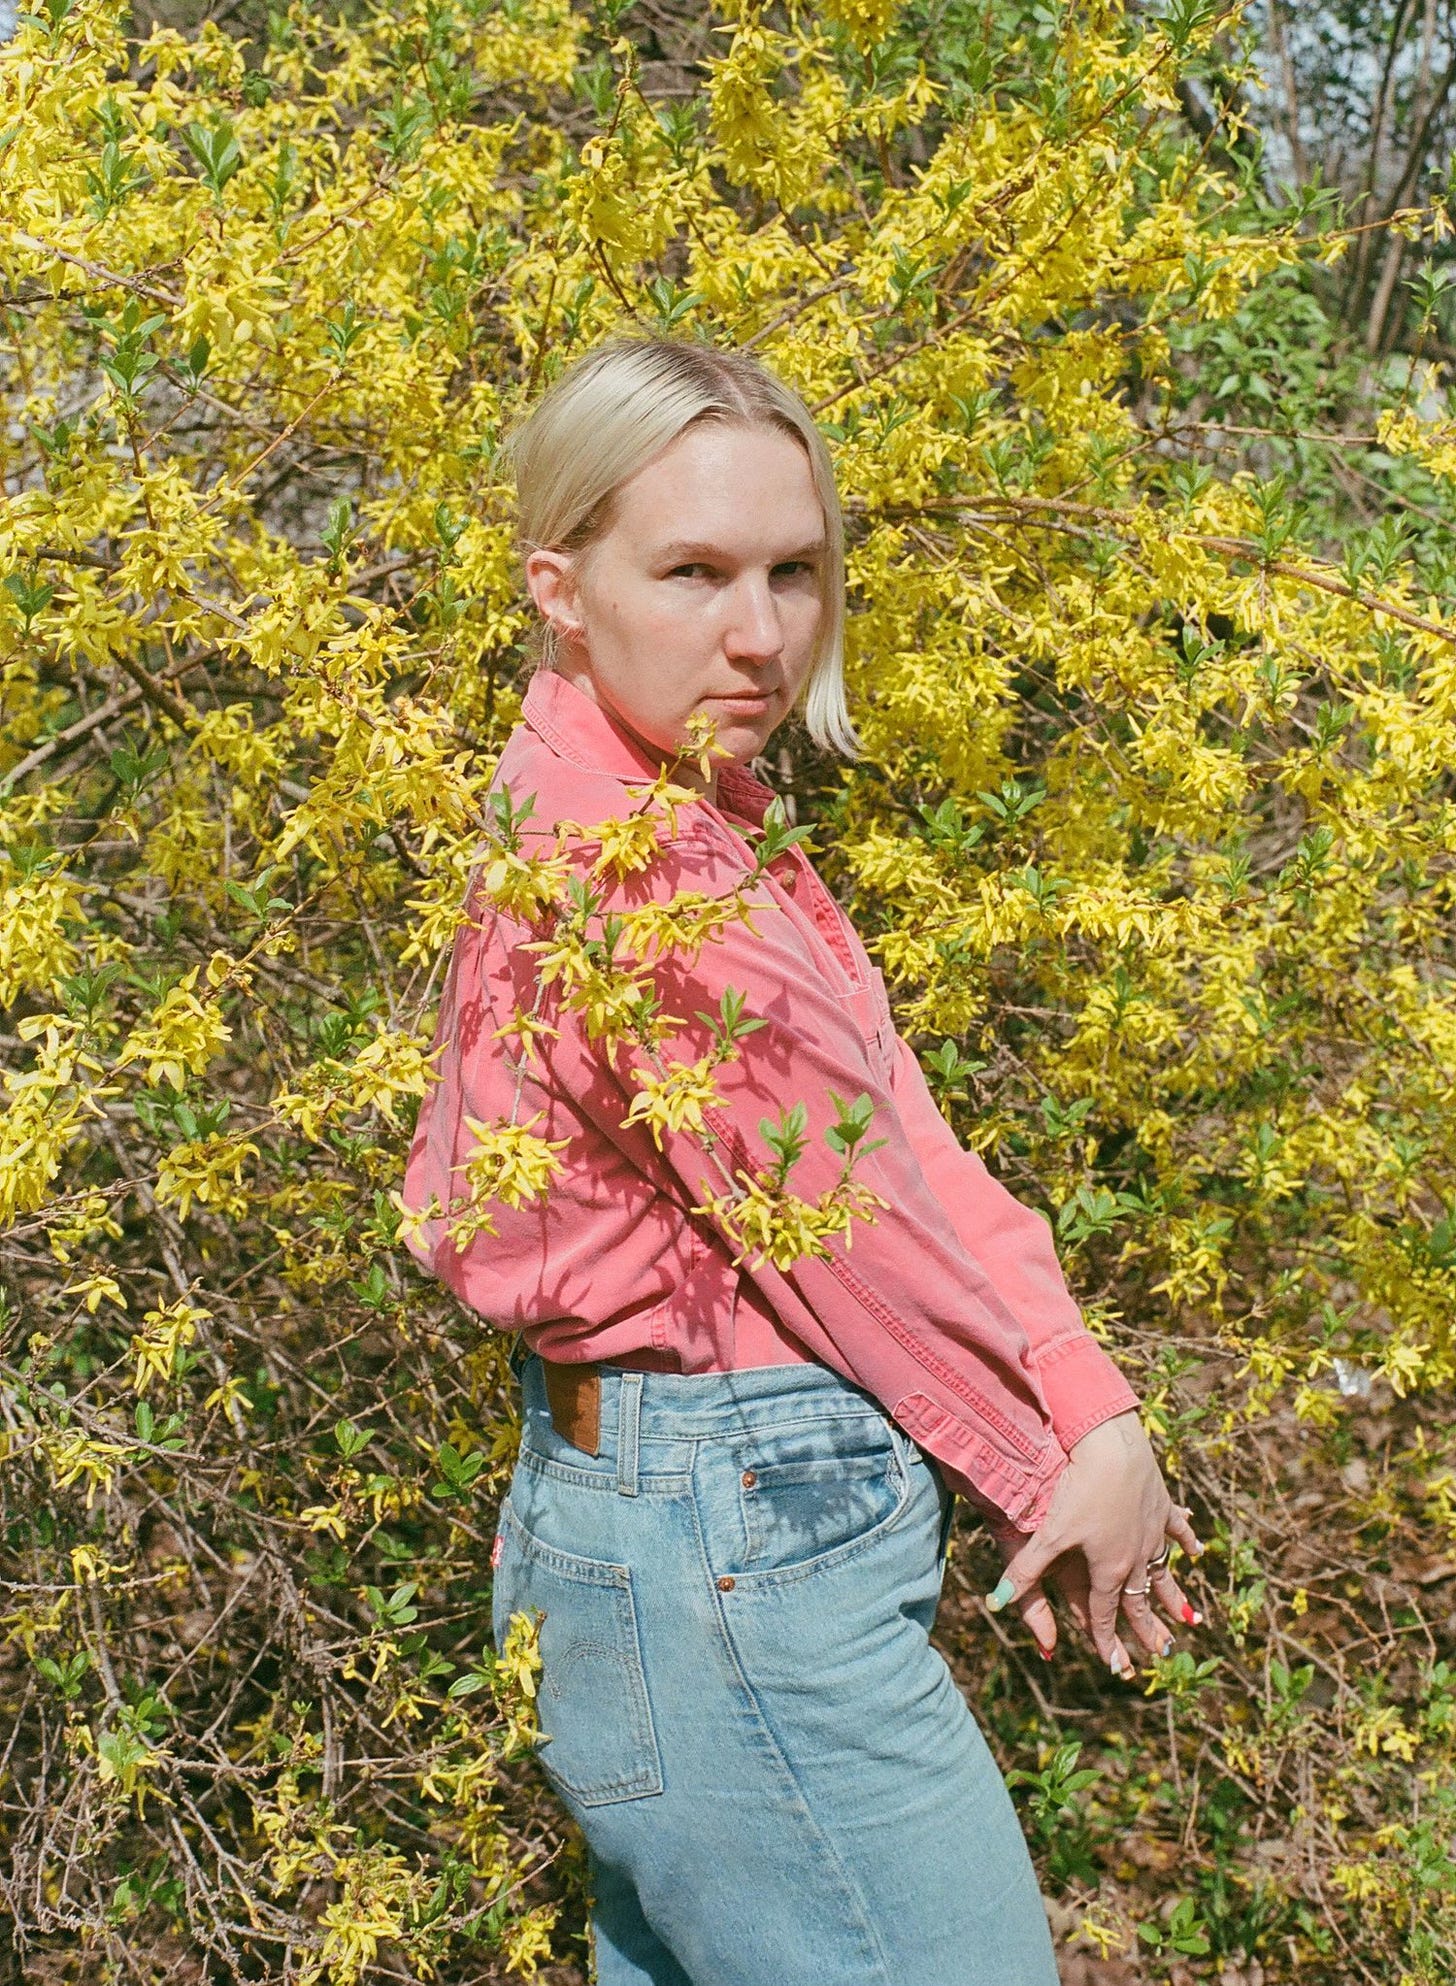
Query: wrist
[[1123, 1429]]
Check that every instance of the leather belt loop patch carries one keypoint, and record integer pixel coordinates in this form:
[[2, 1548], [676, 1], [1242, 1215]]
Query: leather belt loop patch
[[574, 1395]]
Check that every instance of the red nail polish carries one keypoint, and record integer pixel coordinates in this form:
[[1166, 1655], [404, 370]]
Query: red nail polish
[[1045, 1653], [1191, 1615]]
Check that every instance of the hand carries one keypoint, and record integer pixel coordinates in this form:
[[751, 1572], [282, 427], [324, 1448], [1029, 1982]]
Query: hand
[[1110, 1515]]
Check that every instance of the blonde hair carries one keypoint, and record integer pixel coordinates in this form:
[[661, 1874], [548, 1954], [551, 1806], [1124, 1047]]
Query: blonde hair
[[621, 404]]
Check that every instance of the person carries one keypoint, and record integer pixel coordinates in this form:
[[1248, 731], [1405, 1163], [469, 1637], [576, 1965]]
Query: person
[[731, 1504]]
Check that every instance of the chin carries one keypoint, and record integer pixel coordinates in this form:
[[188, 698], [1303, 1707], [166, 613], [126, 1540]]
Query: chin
[[745, 737]]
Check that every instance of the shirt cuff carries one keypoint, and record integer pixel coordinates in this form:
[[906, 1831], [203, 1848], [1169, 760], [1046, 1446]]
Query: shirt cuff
[[1082, 1385]]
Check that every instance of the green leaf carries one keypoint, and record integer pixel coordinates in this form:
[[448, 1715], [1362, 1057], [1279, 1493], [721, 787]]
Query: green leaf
[[349, 1439]]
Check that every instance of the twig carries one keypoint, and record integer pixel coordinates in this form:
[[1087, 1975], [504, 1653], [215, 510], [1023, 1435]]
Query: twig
[[97, 271]]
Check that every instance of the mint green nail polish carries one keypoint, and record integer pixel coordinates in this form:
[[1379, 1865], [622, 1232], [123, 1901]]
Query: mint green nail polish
[[997, 1600]]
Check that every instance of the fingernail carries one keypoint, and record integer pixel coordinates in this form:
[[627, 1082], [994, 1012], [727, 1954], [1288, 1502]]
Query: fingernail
[[1045, 1653], [1167, 1648], [1116, 1666], [1195, 1550], [1192, 1616], [1004, 1591]]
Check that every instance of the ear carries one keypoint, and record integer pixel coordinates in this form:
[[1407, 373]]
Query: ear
[[552, 585]]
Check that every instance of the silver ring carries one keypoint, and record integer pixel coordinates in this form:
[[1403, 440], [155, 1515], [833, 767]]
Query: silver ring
[[1157, 1564], [1134, 1592]]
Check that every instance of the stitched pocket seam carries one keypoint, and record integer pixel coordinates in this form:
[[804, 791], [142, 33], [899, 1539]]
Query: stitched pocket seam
[[626, 1650], [826, 1561]]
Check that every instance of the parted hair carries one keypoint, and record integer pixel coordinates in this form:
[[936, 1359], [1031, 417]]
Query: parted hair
[[619, 405]]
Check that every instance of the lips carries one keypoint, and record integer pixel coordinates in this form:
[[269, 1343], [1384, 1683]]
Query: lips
[[748, 699]]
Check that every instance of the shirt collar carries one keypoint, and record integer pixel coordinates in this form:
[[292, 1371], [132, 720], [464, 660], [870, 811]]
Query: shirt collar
[[576, 727]]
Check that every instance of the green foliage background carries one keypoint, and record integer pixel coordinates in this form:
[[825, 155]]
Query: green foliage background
[[1153, 839]]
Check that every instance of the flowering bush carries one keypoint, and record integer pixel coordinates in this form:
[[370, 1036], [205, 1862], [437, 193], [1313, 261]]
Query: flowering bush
[[1153, 837]]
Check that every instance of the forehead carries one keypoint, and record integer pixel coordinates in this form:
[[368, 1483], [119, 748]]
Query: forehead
[[722, 481]]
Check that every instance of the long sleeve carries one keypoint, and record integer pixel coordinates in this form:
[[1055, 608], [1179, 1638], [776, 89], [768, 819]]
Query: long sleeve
[[905, 1307], [1082, 1384]]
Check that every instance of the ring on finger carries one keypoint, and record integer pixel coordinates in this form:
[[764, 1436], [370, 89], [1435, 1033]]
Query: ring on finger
[[1134, 1592], [1157, 1564]]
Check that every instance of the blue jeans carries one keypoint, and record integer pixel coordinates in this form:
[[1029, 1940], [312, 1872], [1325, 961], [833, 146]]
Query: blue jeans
[[777, 1778]]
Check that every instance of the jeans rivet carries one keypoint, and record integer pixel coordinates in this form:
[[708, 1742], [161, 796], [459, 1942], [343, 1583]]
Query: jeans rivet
[[726, 1583], [748, 1479]]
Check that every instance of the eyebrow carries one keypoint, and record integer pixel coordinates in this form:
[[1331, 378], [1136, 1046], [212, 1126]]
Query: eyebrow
[[681, 550]]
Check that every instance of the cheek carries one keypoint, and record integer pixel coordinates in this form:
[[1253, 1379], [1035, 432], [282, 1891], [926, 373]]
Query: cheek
[[808, 616], [662, 616], [632, 611]]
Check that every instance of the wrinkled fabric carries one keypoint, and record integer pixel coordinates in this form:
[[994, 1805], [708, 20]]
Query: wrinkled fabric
[[949, 1306]]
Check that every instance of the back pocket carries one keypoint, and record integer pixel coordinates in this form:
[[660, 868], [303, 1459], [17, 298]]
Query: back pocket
[[598, 1743]]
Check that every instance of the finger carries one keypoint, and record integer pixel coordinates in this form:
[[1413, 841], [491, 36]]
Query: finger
[[1069, 1575], [1150, 1631], [1173, 1603], [1102, 1609], [1036, 1611], [1023, 1570], [1119, 1662], [1179, 1527], [1068, 1579]]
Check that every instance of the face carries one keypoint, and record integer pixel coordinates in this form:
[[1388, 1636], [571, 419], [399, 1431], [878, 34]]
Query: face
[[703, 594]]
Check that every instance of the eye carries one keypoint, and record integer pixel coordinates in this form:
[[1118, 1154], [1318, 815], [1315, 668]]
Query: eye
[[690, 570], [795, 566]]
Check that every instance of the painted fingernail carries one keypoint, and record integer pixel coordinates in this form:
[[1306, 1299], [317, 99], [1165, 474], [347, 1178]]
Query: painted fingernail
[[1167, 1648], [1195, 1550], [1004, 1591], [1116, 1666], [1192, 1616], [1045, 1653]]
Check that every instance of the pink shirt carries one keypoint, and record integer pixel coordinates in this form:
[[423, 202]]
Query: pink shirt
[[950, 1307]]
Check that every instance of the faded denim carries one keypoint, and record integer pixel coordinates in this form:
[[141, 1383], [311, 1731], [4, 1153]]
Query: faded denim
[[778, 1780]]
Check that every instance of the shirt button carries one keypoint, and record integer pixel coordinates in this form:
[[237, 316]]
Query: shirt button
[[748, 1479], [726, 1583]]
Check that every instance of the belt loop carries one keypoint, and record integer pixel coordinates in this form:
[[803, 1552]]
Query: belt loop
[[629, 1417]]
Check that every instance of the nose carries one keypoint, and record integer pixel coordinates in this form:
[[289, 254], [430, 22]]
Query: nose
[[755, 631]]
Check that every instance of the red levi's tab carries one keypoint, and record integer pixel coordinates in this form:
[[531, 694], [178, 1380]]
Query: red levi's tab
[[949, 1307]]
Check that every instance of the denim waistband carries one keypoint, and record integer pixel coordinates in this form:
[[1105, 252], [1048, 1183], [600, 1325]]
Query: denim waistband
[[675, 1405]]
